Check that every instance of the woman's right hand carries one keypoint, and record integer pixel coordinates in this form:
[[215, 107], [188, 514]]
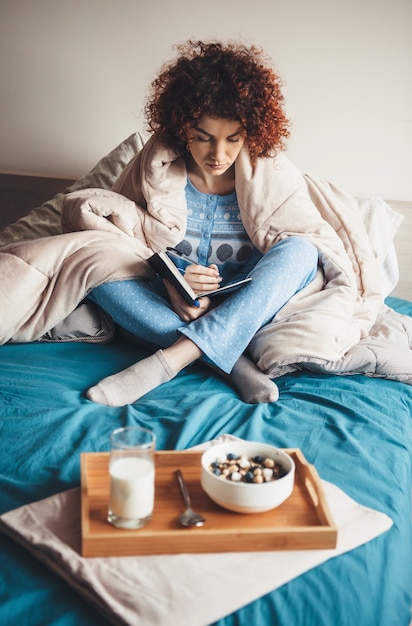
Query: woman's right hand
[[203, 279]]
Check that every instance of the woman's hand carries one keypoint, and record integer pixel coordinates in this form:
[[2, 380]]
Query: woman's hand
[[184, 310], [203, 279]]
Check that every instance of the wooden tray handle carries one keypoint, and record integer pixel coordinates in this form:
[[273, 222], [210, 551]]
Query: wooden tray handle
[[314, 488]]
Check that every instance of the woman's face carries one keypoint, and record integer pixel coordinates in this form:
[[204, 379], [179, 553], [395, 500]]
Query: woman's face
[[215, 144]]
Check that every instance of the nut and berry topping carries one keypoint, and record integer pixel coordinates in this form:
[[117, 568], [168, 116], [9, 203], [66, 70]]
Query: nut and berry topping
[[241, 468]]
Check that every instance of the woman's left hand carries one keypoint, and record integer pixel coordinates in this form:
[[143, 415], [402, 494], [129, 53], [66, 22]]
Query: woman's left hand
[[184, 310]]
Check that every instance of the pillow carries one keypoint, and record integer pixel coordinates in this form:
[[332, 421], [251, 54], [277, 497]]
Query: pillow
[[382, 223], [44, 220]]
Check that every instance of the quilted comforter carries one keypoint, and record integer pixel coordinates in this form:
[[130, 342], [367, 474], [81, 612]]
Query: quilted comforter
[[44, 280]]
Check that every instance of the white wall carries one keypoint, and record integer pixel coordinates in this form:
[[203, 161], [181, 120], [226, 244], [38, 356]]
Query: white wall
[[74, 74]]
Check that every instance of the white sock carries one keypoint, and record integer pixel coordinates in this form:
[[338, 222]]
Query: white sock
[[130, 384]]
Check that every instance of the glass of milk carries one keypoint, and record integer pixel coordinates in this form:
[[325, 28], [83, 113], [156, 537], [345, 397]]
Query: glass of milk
[[132, 474]]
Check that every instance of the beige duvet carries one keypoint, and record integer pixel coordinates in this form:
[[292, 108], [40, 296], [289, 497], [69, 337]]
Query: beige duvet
[[338, 324]]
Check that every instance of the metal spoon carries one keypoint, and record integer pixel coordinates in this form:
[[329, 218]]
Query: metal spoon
[[189, 517]]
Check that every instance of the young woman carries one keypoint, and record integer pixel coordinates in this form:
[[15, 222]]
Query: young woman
[[215, 154]]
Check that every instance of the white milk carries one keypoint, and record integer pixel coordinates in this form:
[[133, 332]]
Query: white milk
[[131, 488]]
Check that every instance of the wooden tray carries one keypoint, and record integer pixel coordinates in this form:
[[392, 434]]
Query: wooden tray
[[303, 521]]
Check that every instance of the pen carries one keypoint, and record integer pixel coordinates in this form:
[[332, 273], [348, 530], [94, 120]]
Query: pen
[[179, 254]]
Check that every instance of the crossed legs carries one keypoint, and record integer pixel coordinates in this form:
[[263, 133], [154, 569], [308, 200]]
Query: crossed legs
[[130, 384], [221, 335]]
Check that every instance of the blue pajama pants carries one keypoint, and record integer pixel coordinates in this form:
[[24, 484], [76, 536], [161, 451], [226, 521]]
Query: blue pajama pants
[[142, 307]]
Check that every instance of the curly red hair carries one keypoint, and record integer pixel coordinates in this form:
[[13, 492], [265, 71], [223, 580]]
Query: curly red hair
[[230, 81]]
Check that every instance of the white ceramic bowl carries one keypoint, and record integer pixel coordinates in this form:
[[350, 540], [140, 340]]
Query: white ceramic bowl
[[245, 497]]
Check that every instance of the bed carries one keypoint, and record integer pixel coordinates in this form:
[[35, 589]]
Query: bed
[[356, 431]]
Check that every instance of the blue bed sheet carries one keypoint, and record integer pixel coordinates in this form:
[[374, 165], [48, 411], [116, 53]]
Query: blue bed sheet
[[357, 431]]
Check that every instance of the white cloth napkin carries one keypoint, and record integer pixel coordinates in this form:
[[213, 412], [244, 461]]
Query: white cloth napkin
[[181, 589]]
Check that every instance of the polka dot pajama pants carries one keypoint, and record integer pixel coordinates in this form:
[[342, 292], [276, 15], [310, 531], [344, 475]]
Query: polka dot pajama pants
[[142, 308]]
